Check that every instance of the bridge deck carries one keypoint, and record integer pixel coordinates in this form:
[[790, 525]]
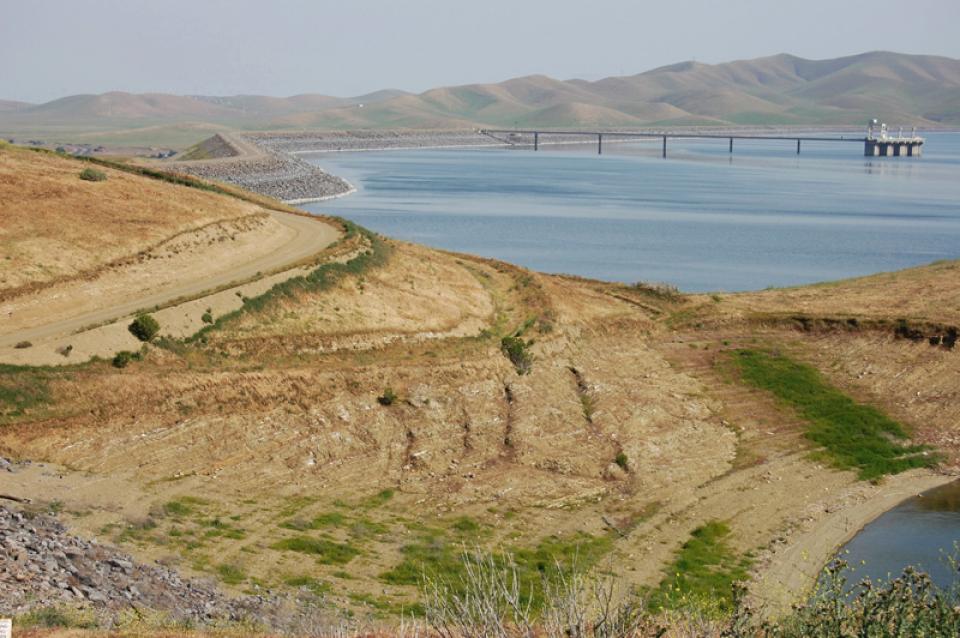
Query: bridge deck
[[675, 134]]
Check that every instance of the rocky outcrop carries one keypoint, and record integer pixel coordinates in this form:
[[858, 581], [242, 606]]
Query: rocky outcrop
[[259, 169], [41, 565]]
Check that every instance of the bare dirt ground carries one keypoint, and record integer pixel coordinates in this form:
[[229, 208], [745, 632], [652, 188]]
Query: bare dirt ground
[[377, 417]]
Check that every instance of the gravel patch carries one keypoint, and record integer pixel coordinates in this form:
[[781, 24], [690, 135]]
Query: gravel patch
[[41, 565]]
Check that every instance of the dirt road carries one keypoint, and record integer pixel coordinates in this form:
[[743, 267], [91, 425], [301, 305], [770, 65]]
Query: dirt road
[[310, 237]]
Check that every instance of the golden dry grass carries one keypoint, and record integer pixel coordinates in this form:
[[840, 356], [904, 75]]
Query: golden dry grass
[[55, 225]]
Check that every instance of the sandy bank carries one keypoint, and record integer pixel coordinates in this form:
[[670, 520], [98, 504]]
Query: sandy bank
[[791, 566]]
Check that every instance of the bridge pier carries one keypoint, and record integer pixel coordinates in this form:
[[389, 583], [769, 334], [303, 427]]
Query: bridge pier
[[536, 141], [731, 144], [798, 147], [908, 147], [664, 146], [599, 143]]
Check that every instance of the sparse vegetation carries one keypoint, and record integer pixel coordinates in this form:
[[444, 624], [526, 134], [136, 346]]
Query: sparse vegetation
[[321, 278], [327, 552], [388, 397], [144, 327], [93, 175], [436, 555], [207, 317], [518, 352], [124, 357], [852, 435], [315, 586], [231, 574], [57, 617], [703, 574], [622, 461], [22, 389]]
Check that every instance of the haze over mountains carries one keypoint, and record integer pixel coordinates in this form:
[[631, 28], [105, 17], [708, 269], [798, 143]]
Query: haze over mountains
[[776, 90]]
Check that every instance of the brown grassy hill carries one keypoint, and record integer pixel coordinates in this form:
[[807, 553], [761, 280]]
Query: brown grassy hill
[[345, 430], [775, 90]]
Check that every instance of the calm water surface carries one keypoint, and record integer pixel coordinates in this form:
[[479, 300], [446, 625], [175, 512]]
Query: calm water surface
[[921, 531], [701, 219]]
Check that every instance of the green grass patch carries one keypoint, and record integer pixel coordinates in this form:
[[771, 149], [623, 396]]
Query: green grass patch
[[332, 519], [703, 573], [22, 390], [326, 551], [53, 617], [317, 587], [231, 574], [852, 435], [183, 506], [380, 498], [386, 606], [440, 556], [466, 524]]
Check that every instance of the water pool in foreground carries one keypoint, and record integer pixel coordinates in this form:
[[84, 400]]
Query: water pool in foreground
[[921, 531]]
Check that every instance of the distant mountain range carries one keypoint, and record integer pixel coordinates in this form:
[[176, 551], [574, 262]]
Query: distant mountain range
[[777, 90]]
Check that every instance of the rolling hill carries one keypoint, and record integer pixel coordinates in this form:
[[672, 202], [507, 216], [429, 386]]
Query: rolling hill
[[776, 90]]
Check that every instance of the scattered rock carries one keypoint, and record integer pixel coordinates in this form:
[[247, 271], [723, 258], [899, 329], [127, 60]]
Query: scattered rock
[[41, 565]]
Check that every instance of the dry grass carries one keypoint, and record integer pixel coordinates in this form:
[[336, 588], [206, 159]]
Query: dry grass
[[56, 225]]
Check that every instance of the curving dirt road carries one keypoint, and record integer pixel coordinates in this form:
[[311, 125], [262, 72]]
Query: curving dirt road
[[311, 236]]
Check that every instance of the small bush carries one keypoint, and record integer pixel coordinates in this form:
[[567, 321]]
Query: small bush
[[518, 351], [124, 357], [23, 344], [144, 327], [388, 397], [622, 461], [207, 317], [93, 175]]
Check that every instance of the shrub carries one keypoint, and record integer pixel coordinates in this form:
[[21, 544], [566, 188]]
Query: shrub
[[124, 357], [93, 175], [388, 397], [518, 351], [144, 327], [621, 460], [207, 317], [23, 344]]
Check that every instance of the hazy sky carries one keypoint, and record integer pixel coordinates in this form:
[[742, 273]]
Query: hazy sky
[[52, 48]]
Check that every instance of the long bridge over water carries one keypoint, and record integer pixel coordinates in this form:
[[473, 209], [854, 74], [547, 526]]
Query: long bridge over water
[[873, 146]]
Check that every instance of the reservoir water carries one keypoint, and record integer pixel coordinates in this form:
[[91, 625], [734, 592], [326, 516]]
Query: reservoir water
[[701, 219], [922, 531]]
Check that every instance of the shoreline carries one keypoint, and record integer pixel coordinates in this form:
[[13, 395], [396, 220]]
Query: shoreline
[[322, 198], [790, 570]]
